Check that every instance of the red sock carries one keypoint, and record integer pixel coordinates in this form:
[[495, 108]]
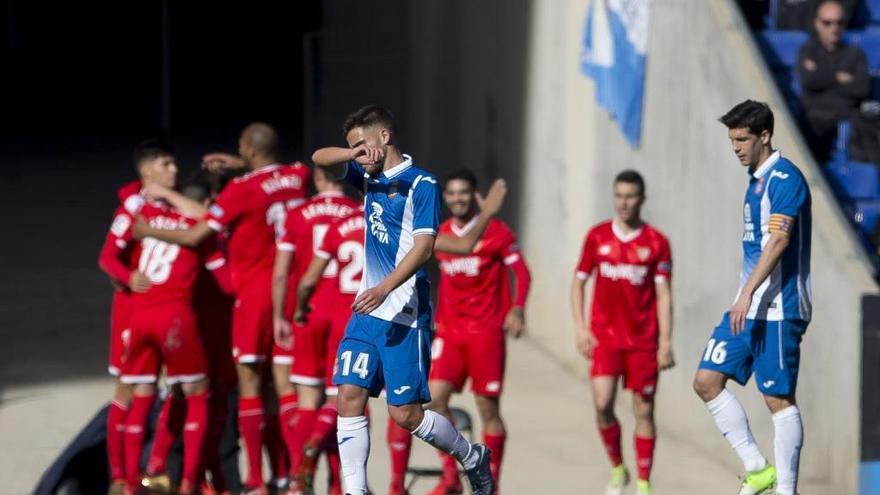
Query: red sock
[[333, 464], [496, 445], [287, 406], [325, 426], [211, 447], [250, 425], [135, 430], [611, 438], [644, 456], [399, 445], [168, 427], [115, 439], [302, 430], [276, 447], [194, 437]]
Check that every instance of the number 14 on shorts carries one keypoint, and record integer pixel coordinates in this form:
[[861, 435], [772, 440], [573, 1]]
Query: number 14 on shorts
[[360, 367]]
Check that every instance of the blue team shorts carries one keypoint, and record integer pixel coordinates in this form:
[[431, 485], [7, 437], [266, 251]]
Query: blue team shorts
[[376, 354], [769, 349]]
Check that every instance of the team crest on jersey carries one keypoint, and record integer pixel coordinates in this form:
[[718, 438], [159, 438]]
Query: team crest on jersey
[[760, 185], [377, 228], [120, 225], [216, 210], [394, 189], [643, 253], [604, 249]]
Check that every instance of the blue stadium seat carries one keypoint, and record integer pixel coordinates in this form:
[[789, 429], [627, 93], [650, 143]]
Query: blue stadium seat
[[870, 43], [780, 48], [865, 214], [873, 8], [858, 181], [840, 152]]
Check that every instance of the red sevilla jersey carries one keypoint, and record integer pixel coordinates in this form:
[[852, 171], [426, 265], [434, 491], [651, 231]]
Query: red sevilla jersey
[[304, 230], [474, 291], [627, 267], [344, 245], [252, 208], [118, 255], [172, 269]]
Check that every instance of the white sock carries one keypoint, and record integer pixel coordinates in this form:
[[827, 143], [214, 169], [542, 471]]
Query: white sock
[[730, 417], [354, 449], [787, 440], [439, 432]]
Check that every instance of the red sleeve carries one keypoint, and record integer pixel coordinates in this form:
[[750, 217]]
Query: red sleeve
[[513, 259], [227, 209], [110, 260], [587, 263], [663, 270], [130, 198], [215, 262]]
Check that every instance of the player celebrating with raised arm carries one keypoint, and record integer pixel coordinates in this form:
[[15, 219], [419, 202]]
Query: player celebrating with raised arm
[[387, 340], [474, 312], [252, 208], [625, 326], [762, 331]]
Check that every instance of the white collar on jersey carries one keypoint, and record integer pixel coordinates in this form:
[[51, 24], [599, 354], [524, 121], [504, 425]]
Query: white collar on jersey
[[397, 169], [624, 236], [767, 165], [464, 229]]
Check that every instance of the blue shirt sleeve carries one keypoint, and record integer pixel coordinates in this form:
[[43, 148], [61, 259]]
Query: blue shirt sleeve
[[788, 193], [354, 175], [426, 206]]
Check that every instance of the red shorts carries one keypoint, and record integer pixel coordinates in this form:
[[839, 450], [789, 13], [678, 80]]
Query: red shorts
[[638, 368], [119, 332], [252, 340], [455, 357], [166, 335], [310, 351]]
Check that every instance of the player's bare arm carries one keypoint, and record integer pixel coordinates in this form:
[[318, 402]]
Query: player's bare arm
[[186, 206], [307, 284], [776, 245], [421, 252], [334, 158], [515, 321], [581, 298], [221, 162], [489, 207], [280, 274], [191, 237], [665, 358]]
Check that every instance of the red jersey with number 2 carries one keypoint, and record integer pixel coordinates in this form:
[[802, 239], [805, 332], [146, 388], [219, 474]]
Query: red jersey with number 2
[[252, 208], [344, 245], [626, 269]]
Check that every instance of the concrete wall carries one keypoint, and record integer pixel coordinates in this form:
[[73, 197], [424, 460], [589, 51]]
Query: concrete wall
[[701, 63]]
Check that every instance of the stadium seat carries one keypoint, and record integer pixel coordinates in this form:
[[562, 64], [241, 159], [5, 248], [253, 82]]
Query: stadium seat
[[865, 214], [856, 180], [873, 8], [781, 47], [869, 40], [840, 152]]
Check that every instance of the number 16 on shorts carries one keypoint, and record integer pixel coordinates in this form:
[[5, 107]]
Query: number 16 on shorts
[[716, 351]]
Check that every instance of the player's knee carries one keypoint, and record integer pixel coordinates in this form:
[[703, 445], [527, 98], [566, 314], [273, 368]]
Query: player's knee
[[407, 417], [351, 401], [706, 387]]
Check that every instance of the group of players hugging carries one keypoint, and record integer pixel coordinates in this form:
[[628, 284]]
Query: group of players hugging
[[308, 305]]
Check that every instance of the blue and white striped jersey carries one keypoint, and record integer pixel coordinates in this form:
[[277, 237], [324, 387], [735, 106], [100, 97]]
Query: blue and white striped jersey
[[778, 200], [399, 204]]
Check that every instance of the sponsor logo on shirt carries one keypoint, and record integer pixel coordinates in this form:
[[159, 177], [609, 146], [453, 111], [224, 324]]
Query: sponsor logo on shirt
[[469, 266], [120, 225], [377, 228], [777, 173], [635, 274]]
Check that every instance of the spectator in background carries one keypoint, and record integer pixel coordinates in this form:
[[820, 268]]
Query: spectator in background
[[833, 76], [798, 14]]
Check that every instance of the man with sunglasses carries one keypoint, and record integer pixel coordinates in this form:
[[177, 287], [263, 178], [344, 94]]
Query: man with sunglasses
[[833, 76]]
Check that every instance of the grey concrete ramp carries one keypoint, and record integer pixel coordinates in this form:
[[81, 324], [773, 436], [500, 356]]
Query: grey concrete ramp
[[553, 446]]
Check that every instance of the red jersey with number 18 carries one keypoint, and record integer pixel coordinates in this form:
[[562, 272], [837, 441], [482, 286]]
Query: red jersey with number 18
[[253, 208], [626, 267]]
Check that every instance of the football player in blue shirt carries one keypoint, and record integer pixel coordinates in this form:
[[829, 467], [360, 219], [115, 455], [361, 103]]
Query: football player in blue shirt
[[762, 331], [387, 341]]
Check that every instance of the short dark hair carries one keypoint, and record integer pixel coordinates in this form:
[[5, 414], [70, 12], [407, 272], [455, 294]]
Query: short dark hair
[[150, 150], [203, 184], [367, 116], [756, 116], [630, 176], [462, 174]]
